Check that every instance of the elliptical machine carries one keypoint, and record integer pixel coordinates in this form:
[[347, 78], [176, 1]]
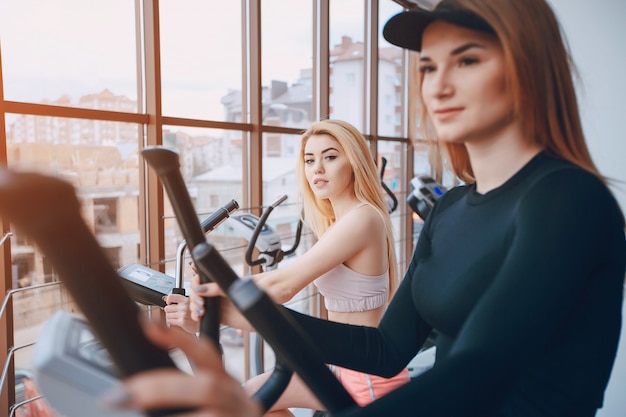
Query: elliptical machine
[[47, 210], [424, 192], [148, 286], [264, 238], [267, 242]]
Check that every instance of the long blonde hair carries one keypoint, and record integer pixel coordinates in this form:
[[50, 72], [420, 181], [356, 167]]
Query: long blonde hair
[[318, 214], [539, 70]]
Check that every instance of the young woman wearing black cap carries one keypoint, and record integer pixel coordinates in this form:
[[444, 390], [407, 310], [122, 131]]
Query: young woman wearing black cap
[[520, 271]]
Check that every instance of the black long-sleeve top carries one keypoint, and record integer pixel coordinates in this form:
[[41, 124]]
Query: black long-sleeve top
[[524, 287]]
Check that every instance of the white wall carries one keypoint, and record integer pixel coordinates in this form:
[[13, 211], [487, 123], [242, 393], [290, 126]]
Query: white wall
[[596, 32]]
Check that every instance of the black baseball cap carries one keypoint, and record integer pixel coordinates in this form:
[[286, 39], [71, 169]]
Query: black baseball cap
[[406, 29]]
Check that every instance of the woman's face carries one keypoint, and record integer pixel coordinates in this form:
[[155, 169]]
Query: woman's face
[[463, 85], [326, 167]]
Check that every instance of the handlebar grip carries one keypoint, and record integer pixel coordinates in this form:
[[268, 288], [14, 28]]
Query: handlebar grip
[[257, 230], [219, 216], [180, 291], [255, 235], [296, 242], [210, 321], [383, 165], [167, 166]]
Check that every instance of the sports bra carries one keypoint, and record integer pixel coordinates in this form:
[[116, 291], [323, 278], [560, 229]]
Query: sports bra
[[345, 290]]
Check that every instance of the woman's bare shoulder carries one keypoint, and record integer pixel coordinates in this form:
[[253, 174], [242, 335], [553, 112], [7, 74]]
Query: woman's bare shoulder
[[363, 218]]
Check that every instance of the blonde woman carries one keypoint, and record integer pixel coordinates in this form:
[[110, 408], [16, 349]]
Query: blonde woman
[[353, 262]]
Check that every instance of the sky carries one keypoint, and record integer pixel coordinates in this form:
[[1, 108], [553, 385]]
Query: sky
[[43, 58]]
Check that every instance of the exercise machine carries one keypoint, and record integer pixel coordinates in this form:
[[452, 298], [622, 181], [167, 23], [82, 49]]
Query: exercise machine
[[392, 201], [264, 238], [47, 210], [148, 286], [424, 192], [267, 242]]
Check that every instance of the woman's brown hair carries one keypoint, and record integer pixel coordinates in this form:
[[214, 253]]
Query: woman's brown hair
[[540, 78]]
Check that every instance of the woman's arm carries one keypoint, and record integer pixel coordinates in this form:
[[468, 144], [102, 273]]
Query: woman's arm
[[359, 230], [210, 391]]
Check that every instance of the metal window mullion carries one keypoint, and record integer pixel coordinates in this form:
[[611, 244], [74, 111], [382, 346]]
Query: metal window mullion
[[153, 225]]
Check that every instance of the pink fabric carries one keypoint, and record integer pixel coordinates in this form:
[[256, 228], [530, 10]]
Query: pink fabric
[[366, 388], [345, 290]]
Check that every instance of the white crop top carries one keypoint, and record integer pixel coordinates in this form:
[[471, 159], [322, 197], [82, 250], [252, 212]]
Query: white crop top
[[345, 290]]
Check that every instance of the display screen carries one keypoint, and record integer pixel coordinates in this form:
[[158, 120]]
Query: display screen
[[86, 347]]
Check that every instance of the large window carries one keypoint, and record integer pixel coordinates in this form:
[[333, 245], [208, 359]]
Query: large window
[[86, 85], [348, 61], [201, 58], [68, 52], [287, 78]]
